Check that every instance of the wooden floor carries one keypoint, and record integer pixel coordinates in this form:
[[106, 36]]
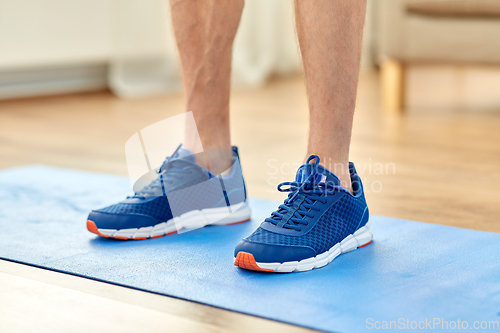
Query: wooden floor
[[439, 162]]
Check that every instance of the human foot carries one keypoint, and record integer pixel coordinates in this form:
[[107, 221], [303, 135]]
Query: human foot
[[183, 196], [317, 222]]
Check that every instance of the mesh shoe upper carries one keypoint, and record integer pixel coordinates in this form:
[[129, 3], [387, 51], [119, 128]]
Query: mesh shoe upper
[[157, 208], [339, 221], [181, 186], [317, 214]]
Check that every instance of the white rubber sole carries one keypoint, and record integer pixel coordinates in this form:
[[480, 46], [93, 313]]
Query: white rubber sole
[[363, 236], [188, 221]]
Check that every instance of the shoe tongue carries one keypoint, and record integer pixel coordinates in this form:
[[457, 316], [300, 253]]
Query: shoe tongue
[[323, 175], [185, 154]]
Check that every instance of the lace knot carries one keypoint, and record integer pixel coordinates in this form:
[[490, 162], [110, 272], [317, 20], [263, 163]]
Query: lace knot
[[313, 187]]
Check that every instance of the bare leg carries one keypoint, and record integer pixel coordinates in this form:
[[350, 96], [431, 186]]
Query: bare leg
[[205, 32], [330, 34]]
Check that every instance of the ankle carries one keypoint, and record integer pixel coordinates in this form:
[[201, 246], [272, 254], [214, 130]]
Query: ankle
[[217, 161], [343, 174], [345, 182], [212, 152], [339, 169], [214, 158]]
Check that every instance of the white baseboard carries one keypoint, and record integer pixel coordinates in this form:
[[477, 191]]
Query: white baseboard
[[55, 80]]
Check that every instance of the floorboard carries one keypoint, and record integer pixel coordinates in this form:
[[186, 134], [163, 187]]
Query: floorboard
[[437, 163]]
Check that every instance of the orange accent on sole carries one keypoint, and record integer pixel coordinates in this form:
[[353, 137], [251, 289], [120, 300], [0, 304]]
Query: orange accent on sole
[[364, 245], [247, 261], [119, 237], [93, 228], [169, 233], [239, 222]]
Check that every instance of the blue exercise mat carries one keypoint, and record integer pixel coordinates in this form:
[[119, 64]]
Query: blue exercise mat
[[413, 274]]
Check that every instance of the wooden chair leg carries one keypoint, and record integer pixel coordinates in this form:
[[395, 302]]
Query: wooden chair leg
[[392, 85]]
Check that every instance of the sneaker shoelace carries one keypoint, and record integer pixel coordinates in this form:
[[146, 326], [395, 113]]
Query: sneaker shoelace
[[170, 170], [313, 192]]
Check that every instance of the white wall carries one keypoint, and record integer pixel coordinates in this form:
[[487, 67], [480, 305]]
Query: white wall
[[53, 46]]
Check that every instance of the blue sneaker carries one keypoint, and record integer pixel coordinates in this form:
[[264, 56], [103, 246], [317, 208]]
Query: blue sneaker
[[317, 222], [184, 196]]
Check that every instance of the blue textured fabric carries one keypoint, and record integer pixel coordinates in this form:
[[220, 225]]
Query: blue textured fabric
[[181, 187], [413, 270], [121, 221], [156, 207], [310, 217], [335, 224]]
